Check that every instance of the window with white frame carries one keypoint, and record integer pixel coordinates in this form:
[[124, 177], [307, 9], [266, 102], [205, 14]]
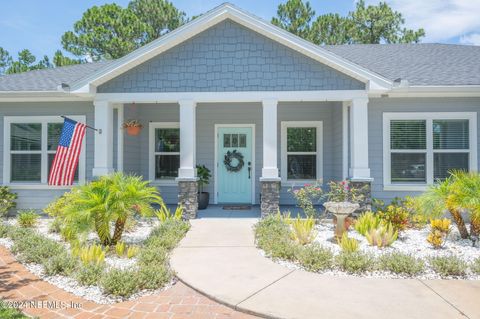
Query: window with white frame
[[164, 151], [30, 145], [301, 151], [420, 148]]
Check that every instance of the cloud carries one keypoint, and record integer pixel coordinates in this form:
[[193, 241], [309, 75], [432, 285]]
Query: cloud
[[442, 20], [472, 38]]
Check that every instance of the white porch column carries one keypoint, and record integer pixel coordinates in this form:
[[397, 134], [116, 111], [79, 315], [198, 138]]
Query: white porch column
[[270, 169], [359, 167], [120, 137], [103, 152], [187, 139]]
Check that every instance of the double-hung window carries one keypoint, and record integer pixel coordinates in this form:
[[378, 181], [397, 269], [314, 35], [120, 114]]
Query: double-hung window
[[301, 149], [421, 148], [30, 145], [164, 152]]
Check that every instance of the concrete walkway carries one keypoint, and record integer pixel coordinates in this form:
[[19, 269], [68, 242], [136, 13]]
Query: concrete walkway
[[219, 259]]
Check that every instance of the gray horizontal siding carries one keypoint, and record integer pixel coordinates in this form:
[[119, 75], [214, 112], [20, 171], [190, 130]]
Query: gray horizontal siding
[[377, 107], [136, 147], [230, 57], [37, 199], [231, 113]]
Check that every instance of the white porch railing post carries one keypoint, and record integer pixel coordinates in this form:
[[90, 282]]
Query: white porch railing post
[[270, 133], [103, 150], [359, 167], [187, 138], [120, 137]]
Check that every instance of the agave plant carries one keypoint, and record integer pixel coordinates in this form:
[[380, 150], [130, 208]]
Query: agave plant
[[110, 199], [455, 194], [383, 236]]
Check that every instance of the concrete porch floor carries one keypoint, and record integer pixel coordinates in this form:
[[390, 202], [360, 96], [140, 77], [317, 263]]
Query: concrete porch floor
[[217, 211]]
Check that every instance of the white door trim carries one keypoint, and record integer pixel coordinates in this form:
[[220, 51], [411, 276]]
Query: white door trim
[[216, 162]]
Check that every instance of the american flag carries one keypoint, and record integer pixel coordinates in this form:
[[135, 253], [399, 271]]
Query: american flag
[[68, 151]]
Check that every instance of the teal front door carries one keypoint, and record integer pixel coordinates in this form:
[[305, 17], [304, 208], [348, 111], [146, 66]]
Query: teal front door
[[234, 165]]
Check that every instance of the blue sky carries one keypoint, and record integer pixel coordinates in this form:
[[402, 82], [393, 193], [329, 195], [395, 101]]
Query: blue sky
[[38, 25]]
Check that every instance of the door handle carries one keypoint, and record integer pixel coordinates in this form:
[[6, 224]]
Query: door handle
[[249, 169]]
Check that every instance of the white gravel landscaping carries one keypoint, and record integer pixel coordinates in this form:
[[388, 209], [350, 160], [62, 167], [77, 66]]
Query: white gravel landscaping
[[142, 230], [410, 241]]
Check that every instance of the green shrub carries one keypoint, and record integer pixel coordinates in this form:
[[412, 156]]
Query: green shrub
[[397, 216], [153, 277], [282, 248], [16, 232], [399, 263], [356, 262], [35, 248], [7, 200], [118, 282], [62, 264], [448, 266], [5, 230], [366, 222], [168, 234], [7, 312], [315, 257], [476, 266], [152, 256], [273, 236], [27, 218], [88, 275]]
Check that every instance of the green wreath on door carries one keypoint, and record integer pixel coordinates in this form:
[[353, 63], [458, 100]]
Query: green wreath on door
[[229, 161]]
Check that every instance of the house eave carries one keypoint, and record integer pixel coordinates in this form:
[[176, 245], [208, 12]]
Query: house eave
[[41, 96], [434, 91]]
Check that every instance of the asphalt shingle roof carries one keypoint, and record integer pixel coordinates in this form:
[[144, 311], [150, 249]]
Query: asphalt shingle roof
[[420, 64], [48, 79]]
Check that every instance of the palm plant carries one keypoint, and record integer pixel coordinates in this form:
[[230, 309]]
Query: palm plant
[[113, 198], [465, 195], [455, 194]]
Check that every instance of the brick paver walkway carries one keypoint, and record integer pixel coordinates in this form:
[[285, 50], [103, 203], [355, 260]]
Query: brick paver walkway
[[180, 301]]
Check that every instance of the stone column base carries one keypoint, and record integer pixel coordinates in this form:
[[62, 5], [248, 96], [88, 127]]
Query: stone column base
[[366, 204], [188, 197], [270, 197]]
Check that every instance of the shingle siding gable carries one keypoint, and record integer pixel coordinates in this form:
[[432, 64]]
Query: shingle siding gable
[[230, 57]]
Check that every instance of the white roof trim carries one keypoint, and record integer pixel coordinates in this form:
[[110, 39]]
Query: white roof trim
[[213, 17]]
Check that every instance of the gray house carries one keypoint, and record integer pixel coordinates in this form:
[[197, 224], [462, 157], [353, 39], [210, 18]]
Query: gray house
[[262, 108]]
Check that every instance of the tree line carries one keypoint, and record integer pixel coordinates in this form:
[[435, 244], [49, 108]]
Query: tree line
[[111, 31]]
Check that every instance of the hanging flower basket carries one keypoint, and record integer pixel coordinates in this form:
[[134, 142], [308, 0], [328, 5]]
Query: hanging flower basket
[[133, 127]]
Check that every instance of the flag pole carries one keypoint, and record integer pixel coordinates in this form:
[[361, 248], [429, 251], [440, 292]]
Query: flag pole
[[88, 126]]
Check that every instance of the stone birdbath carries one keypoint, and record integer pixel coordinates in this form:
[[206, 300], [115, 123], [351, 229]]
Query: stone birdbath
[[341, 210]]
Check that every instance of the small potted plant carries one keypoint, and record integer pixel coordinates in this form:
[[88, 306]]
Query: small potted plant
[[203, 174], [133, 127]]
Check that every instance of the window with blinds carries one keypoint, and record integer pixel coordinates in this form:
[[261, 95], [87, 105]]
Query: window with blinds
[[31, 148], [408, 144], [426, 147], [301, 151]]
